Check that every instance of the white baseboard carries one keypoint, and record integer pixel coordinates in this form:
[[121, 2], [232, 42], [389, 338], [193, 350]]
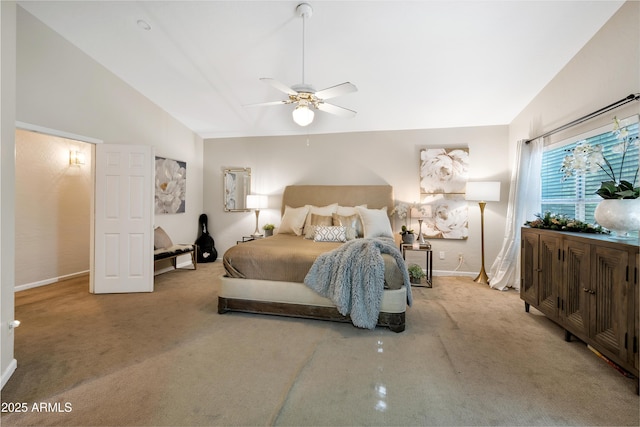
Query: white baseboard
[[454, 273], [9, 371], [45, 282]]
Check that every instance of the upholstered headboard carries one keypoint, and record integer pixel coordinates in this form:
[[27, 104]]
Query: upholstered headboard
[[374, 196]]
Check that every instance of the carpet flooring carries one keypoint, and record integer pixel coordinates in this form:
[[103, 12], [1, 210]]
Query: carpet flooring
[[470, 356]]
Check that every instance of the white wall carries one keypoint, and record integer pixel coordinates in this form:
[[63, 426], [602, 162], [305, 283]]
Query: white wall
[[605, 70], [54, 85], [7, 167], [356, 158], [59, 87]]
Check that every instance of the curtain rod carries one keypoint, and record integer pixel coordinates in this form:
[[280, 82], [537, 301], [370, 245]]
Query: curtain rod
[[632, 97]]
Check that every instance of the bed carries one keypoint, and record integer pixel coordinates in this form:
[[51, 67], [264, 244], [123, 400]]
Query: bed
[[267, 275]]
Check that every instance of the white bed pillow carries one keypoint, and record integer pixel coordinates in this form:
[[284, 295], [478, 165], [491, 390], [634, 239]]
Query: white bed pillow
[[349, 210], [293, 220], [375, 222], [320, 210], [325, 233]]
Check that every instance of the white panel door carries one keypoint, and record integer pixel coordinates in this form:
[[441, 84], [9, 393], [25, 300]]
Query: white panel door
[[123, 239]]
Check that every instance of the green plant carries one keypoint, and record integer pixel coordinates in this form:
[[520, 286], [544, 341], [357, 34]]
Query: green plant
[[405, 230], [416, 272], [553, 221], [268, 227], [585, 158]]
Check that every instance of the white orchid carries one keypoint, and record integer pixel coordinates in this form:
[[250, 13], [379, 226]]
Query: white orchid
[[585, 158]]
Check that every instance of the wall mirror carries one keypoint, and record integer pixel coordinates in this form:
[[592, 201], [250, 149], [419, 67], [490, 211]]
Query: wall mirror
[[237, 184]]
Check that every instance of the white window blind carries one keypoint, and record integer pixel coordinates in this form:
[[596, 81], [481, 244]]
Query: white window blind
[[575, 196]]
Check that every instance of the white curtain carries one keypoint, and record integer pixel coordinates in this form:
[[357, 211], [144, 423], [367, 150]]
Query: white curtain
[[524, 203]]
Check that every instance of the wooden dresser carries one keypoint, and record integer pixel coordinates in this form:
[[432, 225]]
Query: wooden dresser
[[588, 284]]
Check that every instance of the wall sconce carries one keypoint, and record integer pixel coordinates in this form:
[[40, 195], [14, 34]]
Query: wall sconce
[[483, 192], [76, 158], [257, 202]]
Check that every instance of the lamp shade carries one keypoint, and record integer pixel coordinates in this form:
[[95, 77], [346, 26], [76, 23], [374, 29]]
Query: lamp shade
[[257, 201], [486, 191]]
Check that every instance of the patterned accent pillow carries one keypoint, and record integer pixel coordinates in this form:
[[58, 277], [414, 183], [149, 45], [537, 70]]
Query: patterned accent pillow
[[320, 210], [326, 233], [350, 222], [313, 222]]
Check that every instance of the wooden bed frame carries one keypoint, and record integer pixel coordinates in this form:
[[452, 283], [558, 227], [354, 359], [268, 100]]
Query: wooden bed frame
[[393, 321], [375, 197]]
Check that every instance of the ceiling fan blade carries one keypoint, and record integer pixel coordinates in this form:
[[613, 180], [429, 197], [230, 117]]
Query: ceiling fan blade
[[280, 86], [338, 111], [266, 104], [338, 90]]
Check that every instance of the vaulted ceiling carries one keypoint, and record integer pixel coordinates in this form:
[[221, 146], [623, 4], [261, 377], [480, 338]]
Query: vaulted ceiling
[[417, 64]]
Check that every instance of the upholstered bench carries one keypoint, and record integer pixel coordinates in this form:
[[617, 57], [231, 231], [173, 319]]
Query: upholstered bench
[[165, 249]]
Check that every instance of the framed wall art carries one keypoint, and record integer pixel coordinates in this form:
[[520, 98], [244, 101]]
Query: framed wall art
[[443, 178], [444, 170], [448, 219], [171, 186]]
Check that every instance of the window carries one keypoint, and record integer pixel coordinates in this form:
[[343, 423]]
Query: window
[[575, 196]]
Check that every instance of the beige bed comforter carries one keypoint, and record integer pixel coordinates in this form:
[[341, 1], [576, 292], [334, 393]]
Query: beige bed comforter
[[288, 258]]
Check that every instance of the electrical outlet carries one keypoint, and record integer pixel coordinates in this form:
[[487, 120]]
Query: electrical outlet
[[441, 254]]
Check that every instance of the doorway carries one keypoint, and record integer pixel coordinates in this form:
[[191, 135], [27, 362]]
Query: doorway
[[54, 193]]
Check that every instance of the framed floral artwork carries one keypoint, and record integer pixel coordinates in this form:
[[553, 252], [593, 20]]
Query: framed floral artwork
[[448, 219], [443, 178], [171, 186], [444, 170]]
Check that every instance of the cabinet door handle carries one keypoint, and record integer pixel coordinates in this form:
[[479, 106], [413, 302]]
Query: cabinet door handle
[[592, 292]]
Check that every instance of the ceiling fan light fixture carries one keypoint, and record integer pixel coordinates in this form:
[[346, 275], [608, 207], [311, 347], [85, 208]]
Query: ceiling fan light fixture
[[303, 115]]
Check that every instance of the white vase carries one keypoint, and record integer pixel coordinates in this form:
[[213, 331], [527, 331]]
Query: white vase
[[620, 216]]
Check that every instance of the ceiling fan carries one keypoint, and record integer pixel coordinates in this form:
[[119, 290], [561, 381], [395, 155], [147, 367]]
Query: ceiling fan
[[304, 96]]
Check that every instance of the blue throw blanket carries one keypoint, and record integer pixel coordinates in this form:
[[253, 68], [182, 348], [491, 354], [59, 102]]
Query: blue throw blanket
[[352, 277]]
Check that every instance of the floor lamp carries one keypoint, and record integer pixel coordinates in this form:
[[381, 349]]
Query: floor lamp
[[257, 202], [483, 192]]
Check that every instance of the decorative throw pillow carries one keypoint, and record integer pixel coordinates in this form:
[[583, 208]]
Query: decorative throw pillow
[[352, 210], [293, 220], [326, 233], [320, 210], [161, 239], [350, 222], [375, 222], [316, 220]]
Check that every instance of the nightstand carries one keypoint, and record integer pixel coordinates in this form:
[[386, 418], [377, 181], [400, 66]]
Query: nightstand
[[408, 249]]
